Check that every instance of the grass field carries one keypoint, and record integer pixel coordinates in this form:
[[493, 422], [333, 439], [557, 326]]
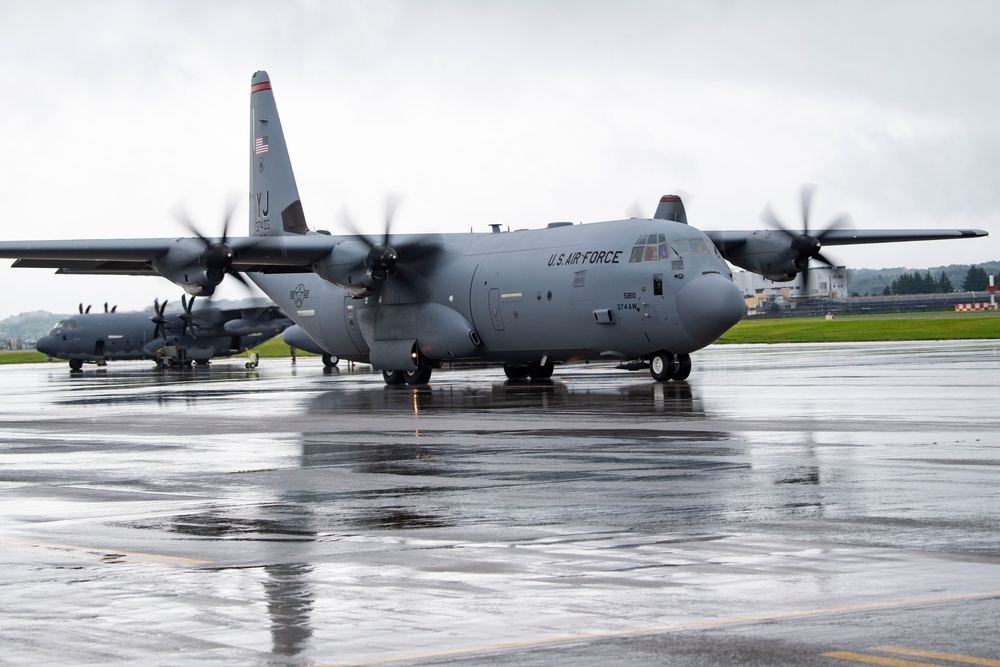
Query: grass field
[[924, 326], [935, 326]]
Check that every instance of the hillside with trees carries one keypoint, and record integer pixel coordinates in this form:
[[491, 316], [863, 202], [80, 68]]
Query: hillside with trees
[[878, 282]]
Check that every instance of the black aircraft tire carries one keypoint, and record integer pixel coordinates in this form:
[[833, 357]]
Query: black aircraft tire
[[683, 368], [329, 360], [393, 377], [540, 372], [420, 376], [661, 366], [75, 364], [515, 372]]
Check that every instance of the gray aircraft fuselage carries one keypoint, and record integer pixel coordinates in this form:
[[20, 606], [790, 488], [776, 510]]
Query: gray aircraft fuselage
[[564, 293], [100, 337]]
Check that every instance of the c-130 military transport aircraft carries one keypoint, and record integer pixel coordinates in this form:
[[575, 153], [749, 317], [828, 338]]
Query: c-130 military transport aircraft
[[643, 292]]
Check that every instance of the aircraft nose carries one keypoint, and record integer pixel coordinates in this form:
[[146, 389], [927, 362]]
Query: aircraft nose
[[46, 345], [709, 306]]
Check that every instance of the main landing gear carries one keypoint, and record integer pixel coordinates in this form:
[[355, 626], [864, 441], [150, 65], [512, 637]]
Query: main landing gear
[[421, 375], [526, 371], [665, 366]]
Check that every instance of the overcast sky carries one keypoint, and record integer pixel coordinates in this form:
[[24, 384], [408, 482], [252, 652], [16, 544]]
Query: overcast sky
[[519, 113]]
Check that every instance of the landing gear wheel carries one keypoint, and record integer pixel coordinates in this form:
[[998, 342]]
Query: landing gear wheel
[[329, 360], [682, 369], [420, 376], [661, 366], [393, 377], [75, 365], [515, 372], [540, 371]]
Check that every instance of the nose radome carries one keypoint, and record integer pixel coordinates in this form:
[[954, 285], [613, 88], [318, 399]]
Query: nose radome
[[46, 345], [709, 306]]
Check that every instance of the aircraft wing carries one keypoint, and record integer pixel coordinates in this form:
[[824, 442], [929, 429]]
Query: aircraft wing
[[734, 239], [270, 254], [780, 254]]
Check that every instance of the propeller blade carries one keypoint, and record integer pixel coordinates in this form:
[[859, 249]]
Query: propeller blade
[[391, 204], [190, 226], [806, 246], [807, 194], [767, 215], [348, 223], [217, 257], [230, 209], [842, 222], [157, 318], [634, 210]]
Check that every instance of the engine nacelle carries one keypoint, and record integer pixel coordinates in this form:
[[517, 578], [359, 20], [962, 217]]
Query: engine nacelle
[[249, 327], [348, 266], [182, 265], [768, 253]]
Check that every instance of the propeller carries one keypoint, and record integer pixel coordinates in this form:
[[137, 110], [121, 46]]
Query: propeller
[[805, 246], [634, 210], [382, 258], [386, 259], [217, 257], [113, 308], [158, 318], [187, 316]]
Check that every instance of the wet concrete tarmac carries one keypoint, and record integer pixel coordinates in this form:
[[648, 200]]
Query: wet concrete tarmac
[[789, 505]]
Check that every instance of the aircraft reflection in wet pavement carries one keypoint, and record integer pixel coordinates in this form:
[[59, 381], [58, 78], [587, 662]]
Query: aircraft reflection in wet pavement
[[645, 293], [172, 338]]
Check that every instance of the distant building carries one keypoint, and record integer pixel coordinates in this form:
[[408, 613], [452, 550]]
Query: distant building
[[828, 282]]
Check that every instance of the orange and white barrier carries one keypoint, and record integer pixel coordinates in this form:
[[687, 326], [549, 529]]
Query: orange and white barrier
[[975, 306]]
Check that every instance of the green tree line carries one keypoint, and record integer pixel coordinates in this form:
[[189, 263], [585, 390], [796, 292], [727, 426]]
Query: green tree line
[[976, 280]]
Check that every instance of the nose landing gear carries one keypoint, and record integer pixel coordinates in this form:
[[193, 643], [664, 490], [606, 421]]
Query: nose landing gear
[[665, 366]]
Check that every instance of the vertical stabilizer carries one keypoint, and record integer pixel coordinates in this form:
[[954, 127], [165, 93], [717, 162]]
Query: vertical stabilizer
[[275, 207], [671, 208]]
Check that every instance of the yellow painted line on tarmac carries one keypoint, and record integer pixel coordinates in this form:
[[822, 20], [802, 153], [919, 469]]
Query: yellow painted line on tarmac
[[877, 659], [936, 655], [691, 625], [105, 555]]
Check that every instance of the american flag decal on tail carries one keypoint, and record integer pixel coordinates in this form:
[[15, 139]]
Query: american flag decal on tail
[[260, 145]]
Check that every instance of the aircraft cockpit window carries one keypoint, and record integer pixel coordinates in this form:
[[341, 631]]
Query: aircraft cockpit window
[[65, 325], [651, 248], [684, 247]]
